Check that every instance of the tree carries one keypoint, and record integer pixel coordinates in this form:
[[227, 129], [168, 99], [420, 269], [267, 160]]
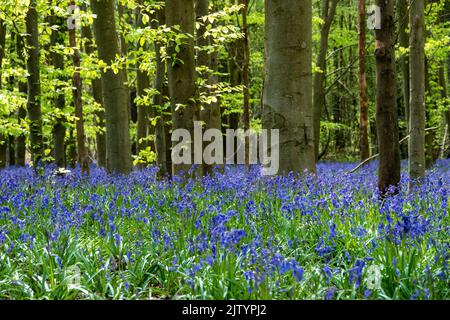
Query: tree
[[364, 150], [142, 84], [34, 83], [181, 72], [3, 143], [402, 17], [115, 93], [416, 147], [20, 149], [386, 104], [97, 94], [77, 87], [57, 60], [245, 75], [162, 138], [328, 13], [287, 101]]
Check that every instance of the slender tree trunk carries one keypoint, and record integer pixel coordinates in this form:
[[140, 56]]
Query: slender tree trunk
[[77, 92], [403, 22], [34, 84], [162, 139], [245, 76], [328, 13], [57, 60], [182, 75], [124, 52], [417, 92], [22, 112], [3, 135], [142, 84], [115, 93], [364, 150], [97, 94], [287, 98], [386, 114], [203, 61]]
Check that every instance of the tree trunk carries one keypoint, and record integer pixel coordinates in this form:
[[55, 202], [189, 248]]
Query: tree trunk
[[3, 135], [328, 14], [115, 97], [142, 84], [402, 17], [97, 94], [416, 145], [245, 76], [182, 75], [34, 84], [22, 112], [162, 139], [386, 104], [364, 150], [77, 91], [203, 61], [57, 60], [287, 101]]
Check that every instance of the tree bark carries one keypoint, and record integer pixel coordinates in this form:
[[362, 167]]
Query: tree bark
[[97, 94], [115, 97], [287, 101], [142, 84], [203, 61], [416, 147], [328, 13], [364, 150], [34, 84], [403, 22], [162, 139], [22, 112], [182, 75], [386, 104], [245, 76], [3, 135], [77, 91], [57, 61]]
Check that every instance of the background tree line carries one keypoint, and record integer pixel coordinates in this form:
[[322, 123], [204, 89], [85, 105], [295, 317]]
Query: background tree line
[[111, 90]]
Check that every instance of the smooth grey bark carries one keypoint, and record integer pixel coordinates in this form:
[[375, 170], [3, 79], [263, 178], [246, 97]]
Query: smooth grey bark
[[416, 147], [115, 93], [328, 13], [182, 75], [386, 102], [34, 84], [287, 101]]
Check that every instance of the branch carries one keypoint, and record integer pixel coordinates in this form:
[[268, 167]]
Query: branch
[[376, 155]]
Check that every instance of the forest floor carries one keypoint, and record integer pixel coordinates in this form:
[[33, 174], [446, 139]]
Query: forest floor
[[237, 235]]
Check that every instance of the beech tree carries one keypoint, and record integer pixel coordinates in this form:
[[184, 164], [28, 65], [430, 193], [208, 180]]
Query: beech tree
[[115, 93], [287, 101], [180, 16]]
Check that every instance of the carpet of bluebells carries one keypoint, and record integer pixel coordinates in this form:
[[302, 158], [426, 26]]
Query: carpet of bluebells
[[236, 235]]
